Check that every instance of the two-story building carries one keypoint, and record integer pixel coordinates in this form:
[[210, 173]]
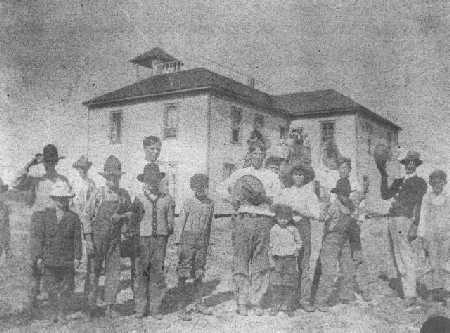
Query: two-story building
[[205, 119]]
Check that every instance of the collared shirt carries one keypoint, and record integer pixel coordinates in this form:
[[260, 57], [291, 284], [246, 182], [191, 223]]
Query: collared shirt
[[195, 218], [84, 189], [268, 178], [285, 241], [301, 199], [156, 216], [434, 215], [40, 185]]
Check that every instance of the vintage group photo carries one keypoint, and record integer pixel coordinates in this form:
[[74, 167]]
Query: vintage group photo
[[189, 166]]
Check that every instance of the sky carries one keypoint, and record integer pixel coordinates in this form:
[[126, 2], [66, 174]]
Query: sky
[[390, 56]]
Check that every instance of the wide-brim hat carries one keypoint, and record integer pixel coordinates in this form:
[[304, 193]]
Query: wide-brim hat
[[199, 181], [82, 163], [61, 189], [151, 174], [112, 167], [249, 189], [305, 170], [50, 154], [412, 156]]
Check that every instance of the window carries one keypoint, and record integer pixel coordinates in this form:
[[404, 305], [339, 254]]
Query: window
[[170, 121], [228, 169], [236, 119], [327, 131], [369, 129], [283, 133], [115, 134], [259, 122]]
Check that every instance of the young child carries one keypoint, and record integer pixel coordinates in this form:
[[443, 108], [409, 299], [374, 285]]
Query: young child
[[5, 233], [337, 225], [108, 209], [192, 239], [285, 244], [434, 231], [155, 214], [56, 248]]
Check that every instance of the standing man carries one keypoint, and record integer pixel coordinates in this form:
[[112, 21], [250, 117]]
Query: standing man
[[84, 188], [152, 149], [404, 217], [250, 234], [40, 187]]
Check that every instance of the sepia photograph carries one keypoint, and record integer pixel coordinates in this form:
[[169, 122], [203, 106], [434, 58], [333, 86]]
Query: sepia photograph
[[225, 166]]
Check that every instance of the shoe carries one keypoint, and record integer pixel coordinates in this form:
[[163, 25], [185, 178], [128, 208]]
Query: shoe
[[259, 311], [185, 315], [242, 310], [202, 309], [307, 307]]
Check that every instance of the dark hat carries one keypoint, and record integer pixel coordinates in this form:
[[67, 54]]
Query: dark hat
[[412, 156], [342, 187], [436, 324], [82, 163], [151, 140], [305, 170], [283, 211], [151, 174], [249, 189], [50, 154], [112, 167], [438, 174], [199, 181]]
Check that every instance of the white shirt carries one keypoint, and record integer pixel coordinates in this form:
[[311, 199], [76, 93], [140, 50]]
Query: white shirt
[[434, 215], [301, 199], [268, 178], [285, 241]]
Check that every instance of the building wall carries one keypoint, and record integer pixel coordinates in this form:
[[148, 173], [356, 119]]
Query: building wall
[[222, 150], [369, 134], [181, 157]]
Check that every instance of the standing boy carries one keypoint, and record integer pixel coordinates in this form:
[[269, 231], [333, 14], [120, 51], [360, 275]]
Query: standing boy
[[56, 243], [285, 245], [404, 217], [192, 239], [155, 213], [108, 209], [250, 234], [337, 225], [434, 231]]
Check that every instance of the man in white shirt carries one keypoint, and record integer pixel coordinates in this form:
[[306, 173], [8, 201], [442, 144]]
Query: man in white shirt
[[250, 234]]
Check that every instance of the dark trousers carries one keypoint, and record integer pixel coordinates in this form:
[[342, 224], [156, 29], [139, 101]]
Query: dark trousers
[[303, 261], [250, 239], [151, 285], [58, 283]]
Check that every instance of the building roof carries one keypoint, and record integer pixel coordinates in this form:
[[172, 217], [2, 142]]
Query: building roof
[[322, 103], [296, 105], [156, 53]]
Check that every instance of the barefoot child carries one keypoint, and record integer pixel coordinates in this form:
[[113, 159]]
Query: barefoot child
[[285, 244], [56, 247], [434, 231], [193, 240]]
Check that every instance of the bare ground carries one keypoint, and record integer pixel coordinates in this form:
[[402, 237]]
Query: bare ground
[[384, 314]]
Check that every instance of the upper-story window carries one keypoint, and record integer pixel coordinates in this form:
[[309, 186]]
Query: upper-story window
[[369, 128], [170, 121], [283, 132], [115, 128], [259, 122], [236, 120], [327, 131]]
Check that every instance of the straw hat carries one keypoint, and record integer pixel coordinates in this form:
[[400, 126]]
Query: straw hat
[[112, 167], [412, 156], [50, 154], [61, 190], [82, 163]]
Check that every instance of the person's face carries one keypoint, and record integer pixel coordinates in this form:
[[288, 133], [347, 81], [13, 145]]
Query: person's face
[[113, 181], [282, 222], [298, 179], [257, 158], [152, 152], [437, 185], [151, 187], [410, 167], [50, 165], [61, 203], [344, 198], [82, 172], [274, 168], [200, 192], [344, 170]]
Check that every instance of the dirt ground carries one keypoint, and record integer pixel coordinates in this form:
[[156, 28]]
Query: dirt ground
[[384, 314]]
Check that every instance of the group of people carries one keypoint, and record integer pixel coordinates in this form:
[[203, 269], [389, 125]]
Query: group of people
[[287, 228]]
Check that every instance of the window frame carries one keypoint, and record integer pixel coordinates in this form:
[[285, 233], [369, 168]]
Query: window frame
[[284, 132], [232, 168], [170, 132], [236, 124], [115, 127], [322, 129]]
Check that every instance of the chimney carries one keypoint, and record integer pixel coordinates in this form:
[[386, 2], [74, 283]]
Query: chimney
[[251, 82]]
